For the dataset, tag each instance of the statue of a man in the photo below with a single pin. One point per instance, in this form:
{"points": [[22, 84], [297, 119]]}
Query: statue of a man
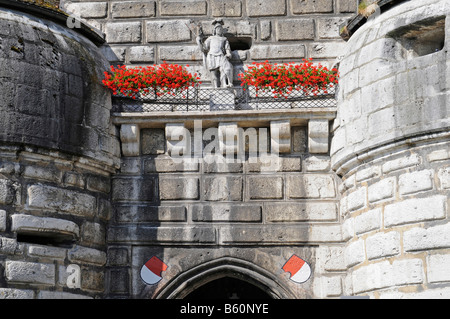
{"points": [[218, 53]]}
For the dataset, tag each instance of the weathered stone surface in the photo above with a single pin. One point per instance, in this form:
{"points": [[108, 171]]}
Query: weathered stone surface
{"points": [[328, 28], [173, 188], [318, 131], [280, 137], [21, 223], [368, 221], [281, 51], [182, 8], [299, 139], [382, 190], [437, 268], [385, 274], [415, 210], [93, 233], [226, 8], [133, 9], [85, 255], [266, 29], [61, 200], [141, 54], [139, 214], [168, 31], [30, 272], [180, 53], [348, 6], [311, 6], [357, 199], [311, 186], [153, 141], [11, 293], [279, 234], [133, 189], [88, 10], [226, 213], [415, 182], [265, 187], [123, 32], [222, 188], [47, 251], [219, 164], [166, 164], [6, 191], [297, 212], [295, 29], [444, 177], [259, 8], [162, 235], [44, 173], [431, 238]]}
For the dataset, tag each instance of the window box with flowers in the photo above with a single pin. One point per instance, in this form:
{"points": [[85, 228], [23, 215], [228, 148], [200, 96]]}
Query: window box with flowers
{"points": [[170, 87]]}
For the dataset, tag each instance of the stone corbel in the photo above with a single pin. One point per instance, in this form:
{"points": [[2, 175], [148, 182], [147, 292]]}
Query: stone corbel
{"points": [[228, 138], [130, 139], [178, 140], [280, 135], [318, 132]]}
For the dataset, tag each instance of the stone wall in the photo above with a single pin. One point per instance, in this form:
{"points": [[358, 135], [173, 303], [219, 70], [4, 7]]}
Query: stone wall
{"points": [[390, 146], [57, 152], [201, 209], [155, 31]]}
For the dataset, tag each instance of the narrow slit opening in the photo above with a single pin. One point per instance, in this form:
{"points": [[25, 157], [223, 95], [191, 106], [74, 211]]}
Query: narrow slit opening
{"points": [[47, 239]]}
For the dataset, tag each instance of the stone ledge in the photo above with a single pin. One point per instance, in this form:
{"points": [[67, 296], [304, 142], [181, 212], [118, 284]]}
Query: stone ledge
{"points": [[143, 234], [21, 223]]}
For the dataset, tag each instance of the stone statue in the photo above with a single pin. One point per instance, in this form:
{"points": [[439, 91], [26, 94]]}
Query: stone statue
{"points": [[217, 53]]}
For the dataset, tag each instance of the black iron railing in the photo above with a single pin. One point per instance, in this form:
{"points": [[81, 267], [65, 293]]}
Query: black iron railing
{"points": [[210, 99]]}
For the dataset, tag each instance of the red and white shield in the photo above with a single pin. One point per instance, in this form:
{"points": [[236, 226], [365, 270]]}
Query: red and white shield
{"points": [[151, 271], [298, 268]]}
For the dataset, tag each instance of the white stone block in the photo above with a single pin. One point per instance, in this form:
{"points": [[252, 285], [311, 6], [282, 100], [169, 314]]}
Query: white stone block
{"points": [[130, 138], [30, 272], [383, 245], [444, 177], [368, 221], [384, 189], [415, 210], [383, 274], [2, 220], [415, 182], [357, 199], [438, 268], [280, 135], [430, 238], [400, 163], [355, 253]]}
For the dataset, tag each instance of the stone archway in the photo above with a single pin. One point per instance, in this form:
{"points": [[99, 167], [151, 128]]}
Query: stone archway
{"points": [[228, 288], [226, 267]]}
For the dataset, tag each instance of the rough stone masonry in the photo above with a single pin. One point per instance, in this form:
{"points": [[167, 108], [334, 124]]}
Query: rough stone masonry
{"points": [[359, 192]]}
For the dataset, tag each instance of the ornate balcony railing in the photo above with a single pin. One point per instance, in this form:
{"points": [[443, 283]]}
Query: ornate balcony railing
{"points": [[223, 99]]}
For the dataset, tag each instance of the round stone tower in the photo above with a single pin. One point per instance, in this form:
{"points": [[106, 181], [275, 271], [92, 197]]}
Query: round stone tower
{"points": [[57, 151], [391, 146]]}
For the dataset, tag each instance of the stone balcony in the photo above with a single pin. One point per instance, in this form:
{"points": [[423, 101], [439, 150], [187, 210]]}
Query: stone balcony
{"points": [[231, 111]]}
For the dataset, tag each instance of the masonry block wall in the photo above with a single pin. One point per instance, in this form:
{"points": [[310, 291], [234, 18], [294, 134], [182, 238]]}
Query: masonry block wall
{"points": [[155, 31], [390, 145], [57, 152], [202, 209]]}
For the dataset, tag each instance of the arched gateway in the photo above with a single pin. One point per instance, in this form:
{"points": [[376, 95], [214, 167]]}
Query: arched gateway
{"points": [[225, 273]]}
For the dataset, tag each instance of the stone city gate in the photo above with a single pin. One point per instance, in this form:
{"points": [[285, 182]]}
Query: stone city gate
{"points": [[94, 202], [241, 215]]}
